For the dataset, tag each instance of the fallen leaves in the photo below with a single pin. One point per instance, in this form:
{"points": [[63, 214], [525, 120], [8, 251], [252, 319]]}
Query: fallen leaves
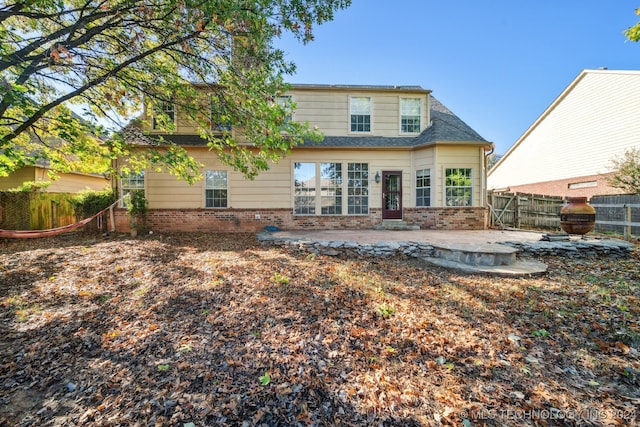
{"points": [[200, 330]]}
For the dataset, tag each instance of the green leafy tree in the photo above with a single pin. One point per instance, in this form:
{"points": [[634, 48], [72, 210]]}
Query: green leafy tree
{"points": [[627, 171], [492, 160], [633, 33], [111, 56]]}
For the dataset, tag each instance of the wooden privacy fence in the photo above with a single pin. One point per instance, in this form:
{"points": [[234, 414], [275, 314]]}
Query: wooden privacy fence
{"points": [[35, 211], [618, 213], [522, 210]]}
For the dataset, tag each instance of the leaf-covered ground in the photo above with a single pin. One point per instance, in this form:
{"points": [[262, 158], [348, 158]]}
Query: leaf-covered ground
{"points": [[208, 330]]}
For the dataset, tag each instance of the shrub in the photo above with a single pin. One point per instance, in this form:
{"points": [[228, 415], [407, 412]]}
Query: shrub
{"points": [[90, 202]]}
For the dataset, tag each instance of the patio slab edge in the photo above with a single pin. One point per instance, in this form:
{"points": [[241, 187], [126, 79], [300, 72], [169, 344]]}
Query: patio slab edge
{"points": [[517, 269], [421, 249]]}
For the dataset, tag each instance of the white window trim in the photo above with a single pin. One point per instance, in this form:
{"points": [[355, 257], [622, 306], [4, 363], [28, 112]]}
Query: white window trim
{"points": [[431, 187], [175, 116], [421, 127], [444, 185], [291, 102], [215, 127], [293, 189], [371, 111], [345, 189], [144, 189], [204, 190]]}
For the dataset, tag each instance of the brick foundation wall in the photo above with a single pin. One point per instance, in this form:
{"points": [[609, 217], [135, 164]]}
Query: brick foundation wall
{"points": [[240, 220], [448, 218]]}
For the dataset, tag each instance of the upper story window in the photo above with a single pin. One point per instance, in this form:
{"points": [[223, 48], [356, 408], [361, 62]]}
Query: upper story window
{"points": [[458, 187], [410, 113], [286, 103], [360, 110], [218, 116], [164, 116]]}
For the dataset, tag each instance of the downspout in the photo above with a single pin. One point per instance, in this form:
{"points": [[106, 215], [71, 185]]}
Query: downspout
{"points": [[485, 190]]}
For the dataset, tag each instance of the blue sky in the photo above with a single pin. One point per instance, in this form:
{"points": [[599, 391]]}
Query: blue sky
{"points": [[497, 64]]}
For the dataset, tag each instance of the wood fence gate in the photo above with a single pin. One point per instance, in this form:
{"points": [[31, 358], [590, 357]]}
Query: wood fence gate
{"points": [[521, 210]]}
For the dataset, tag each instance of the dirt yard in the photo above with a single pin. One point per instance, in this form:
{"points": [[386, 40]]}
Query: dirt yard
{"points": [[215, 330]]}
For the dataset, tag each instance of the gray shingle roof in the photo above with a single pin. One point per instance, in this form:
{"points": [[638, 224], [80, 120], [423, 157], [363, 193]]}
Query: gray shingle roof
{"points": [[133, 134], [446, 126]]}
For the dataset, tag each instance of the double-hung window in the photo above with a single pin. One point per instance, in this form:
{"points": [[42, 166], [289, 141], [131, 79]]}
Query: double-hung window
{"points": [[130, 183], [360, 110], [458, 187], [219, 116], [285, 102], [410, 113], [423, 187], [164, 116], [215, 193]]}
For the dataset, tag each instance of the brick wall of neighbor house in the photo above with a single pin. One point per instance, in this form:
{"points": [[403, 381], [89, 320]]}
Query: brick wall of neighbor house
{"points": [[244, 220], [583, 186]]}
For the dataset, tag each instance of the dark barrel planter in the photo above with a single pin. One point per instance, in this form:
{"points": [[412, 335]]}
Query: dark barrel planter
{"points": [[577, 216]]}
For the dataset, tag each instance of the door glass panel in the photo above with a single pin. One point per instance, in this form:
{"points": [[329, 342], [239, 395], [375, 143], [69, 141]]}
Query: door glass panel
{"points": [[392, 186]]}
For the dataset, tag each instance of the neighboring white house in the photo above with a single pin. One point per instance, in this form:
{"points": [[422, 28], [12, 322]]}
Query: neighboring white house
{"points": [[567, 151]]}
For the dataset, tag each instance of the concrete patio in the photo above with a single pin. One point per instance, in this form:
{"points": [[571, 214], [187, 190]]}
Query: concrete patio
{"points": [[431, 236], [497, 252]]}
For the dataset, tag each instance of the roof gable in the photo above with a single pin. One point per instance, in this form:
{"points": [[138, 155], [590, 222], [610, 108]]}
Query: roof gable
{"points": [[563, 95]]}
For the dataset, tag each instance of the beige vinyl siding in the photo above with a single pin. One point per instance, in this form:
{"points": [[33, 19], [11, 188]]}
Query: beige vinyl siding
{"points": [[458, 157], [73, 183], [273, 189], [184, 124], [329, 111], [15, 179], [594, 120], [66, 182], [270, 189], [164, 191], [422, 159]]}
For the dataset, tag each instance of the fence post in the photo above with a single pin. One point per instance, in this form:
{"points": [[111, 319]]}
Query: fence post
{"points": [[627, 220], [516, 210], [112, 219]]}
